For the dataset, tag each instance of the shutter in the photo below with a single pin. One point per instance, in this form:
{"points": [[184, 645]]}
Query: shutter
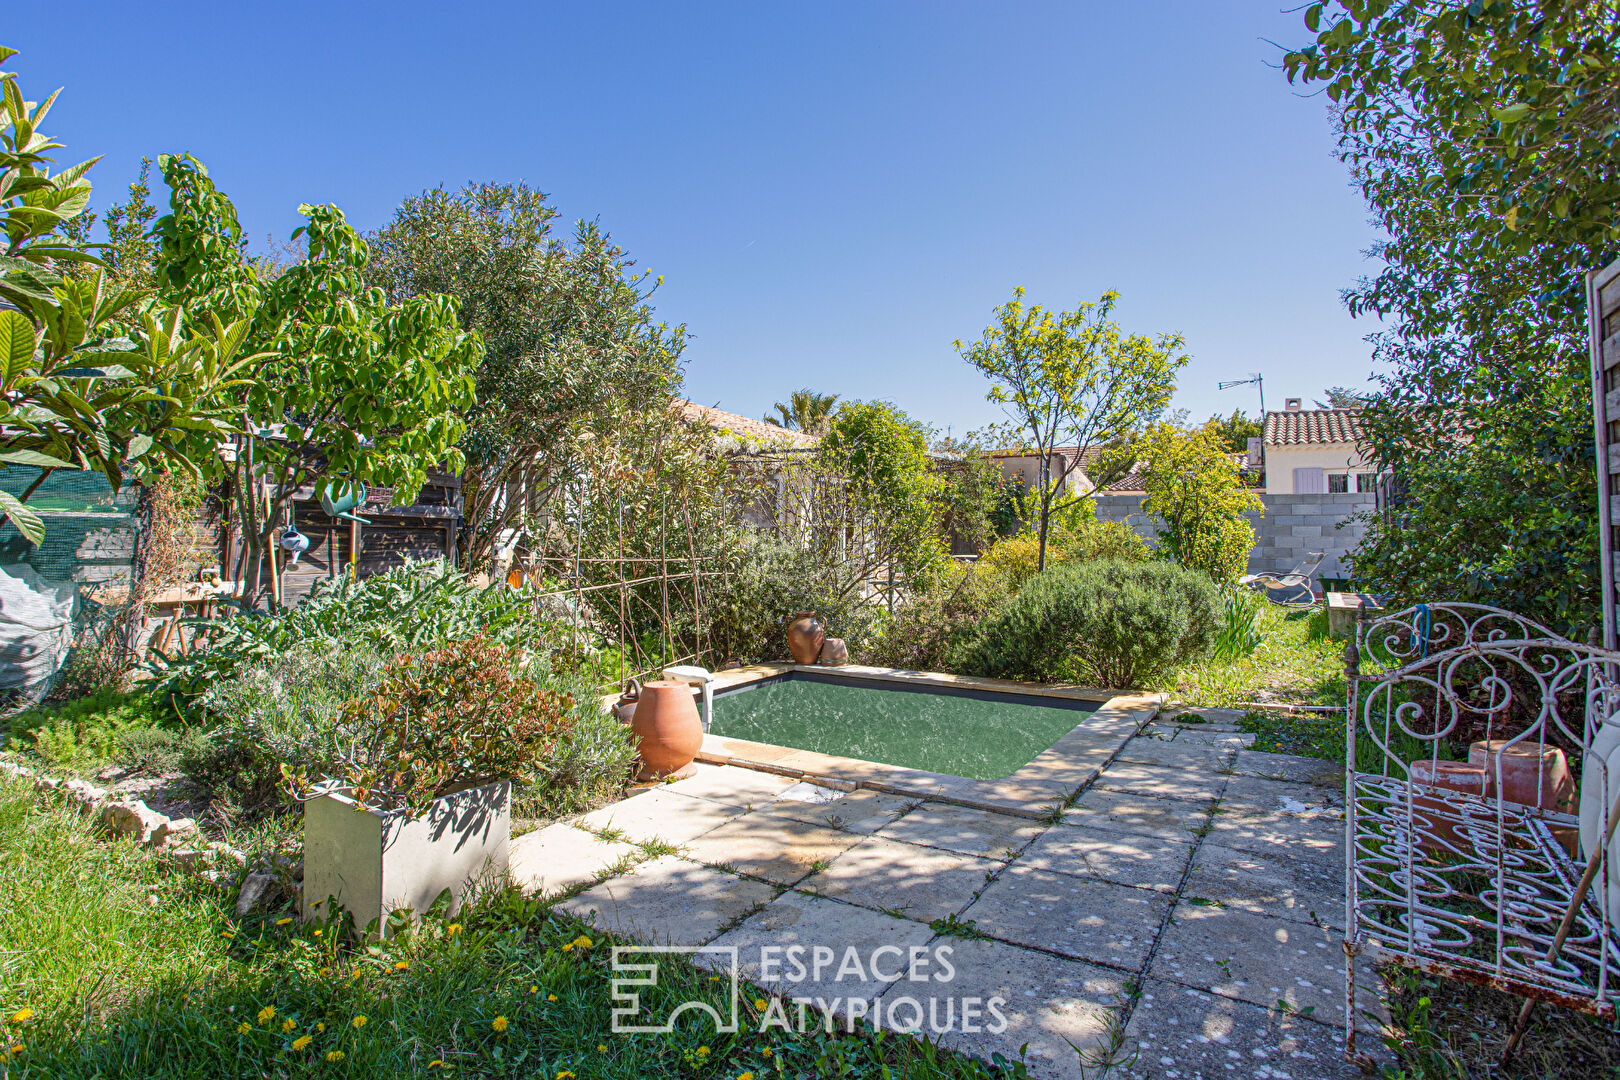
{"points": [[1310, 482], [1603, 319]]}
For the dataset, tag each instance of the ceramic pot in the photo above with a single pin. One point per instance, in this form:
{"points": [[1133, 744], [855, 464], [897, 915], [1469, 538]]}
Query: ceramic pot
{"points": [[668, 729], [625, 707], [1532, 774], [805, 635], [1435, 822], [833, 652]]}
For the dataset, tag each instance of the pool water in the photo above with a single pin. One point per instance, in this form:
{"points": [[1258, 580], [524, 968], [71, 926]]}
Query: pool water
{"points": [[979, 735]]}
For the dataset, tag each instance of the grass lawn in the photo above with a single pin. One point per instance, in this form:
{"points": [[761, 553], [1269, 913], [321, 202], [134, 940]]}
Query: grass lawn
{"points": [[1296, 663], [112, 964]]}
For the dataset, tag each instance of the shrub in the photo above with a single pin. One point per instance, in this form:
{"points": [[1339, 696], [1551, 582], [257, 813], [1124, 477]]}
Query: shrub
{"points": [[747, 616], [442, 721], [281, 710], [412, 607], [934, 629], [1109, 622]]}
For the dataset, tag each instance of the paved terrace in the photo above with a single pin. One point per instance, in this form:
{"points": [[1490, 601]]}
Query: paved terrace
{"points": [[1185, 907]]}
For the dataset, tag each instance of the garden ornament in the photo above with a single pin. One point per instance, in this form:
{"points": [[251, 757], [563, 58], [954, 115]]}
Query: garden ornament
{"points": [[294, 543]]}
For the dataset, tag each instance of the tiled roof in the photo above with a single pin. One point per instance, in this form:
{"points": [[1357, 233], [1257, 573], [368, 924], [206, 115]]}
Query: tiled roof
{"points": [[745, 428], [1309, 426]]}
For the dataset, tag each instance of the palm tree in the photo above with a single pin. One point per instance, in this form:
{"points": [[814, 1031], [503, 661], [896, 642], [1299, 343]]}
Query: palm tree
{"points": [[805, 411]]}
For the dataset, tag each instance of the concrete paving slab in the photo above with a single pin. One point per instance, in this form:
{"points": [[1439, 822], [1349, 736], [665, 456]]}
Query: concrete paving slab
{"points": [[1168, 783], [1258, 959], [1174, 754], [774, 848], [862, 812], [837, 948], [1254, 793], [1176, 1031], [903, 879], [1042, 1001], [659, 814], [670, 901], [1283, 885], [1147, 862], [963, 830], [1078, 917], [1140, 815], [1291, 767], [732, 785], [560, 857], [1236, 740], [1320, 832]]}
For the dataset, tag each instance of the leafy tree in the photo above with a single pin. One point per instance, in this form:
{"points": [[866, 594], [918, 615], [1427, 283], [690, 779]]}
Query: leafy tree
{"points": [[1481, 137], [1343, 397], [1193, 485], [1236, 430], [883, 456], [1071, 378], [92, 379], [574, 358], [805, 411], [129, 252], [348, 386]]}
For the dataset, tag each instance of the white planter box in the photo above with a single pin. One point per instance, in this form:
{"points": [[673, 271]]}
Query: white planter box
{"points": [[376, 863]]}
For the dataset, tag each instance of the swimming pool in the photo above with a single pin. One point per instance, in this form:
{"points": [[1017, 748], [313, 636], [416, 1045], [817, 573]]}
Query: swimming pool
{"points": [[978, 734]]}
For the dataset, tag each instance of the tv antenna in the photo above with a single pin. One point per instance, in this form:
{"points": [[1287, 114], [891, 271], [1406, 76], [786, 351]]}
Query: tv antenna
{"points": [[1253, 380]]}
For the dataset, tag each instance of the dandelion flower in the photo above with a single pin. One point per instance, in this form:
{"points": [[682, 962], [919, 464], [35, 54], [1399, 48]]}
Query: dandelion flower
{"points": [[402, 966], [326, 971], [243, 1028], [317, 933], [321, 1026], [551, 997], [287, 1026], [760, 1004], [302, 1042], [583, 942], [768, 1052], [335, 1055], [358, 1022], [745, 1076], [564, 1074], [601, 1048], [499, 1024], [703, 1051], [284, 922], [17, 1049], [267, 1014], [453, 928], [359, 971], [534, 989], [22, 1016], [226, 934], [437, 1063]]}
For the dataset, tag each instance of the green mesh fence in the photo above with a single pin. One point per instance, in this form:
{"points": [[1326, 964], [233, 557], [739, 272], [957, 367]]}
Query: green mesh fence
{"points": [[89, 545]]}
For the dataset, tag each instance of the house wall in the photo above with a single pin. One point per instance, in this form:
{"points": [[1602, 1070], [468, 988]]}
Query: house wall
{"points": [[1026, 471], [1291, 526], [1281, 461]]}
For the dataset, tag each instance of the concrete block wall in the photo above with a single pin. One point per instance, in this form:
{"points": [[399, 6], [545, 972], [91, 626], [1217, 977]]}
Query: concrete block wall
{"points": [[1291, 526]]}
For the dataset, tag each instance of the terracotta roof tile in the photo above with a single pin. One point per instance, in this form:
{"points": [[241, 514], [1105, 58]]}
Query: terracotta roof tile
{"points": [[744, 427], [1308, 426]]}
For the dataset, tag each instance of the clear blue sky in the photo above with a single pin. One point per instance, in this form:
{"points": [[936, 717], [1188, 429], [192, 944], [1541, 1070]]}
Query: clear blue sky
{"points": [[833, 192]]}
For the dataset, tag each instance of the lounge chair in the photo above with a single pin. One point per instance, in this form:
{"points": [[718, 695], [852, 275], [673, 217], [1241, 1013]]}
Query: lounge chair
{"points": [[1293, 589]]}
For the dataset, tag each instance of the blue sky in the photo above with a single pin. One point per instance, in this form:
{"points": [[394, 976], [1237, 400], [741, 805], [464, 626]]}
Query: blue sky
{"points": [[833, 192]]}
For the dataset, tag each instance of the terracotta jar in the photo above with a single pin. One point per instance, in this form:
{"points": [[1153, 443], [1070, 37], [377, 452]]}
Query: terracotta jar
{"points": [[1434, 821], [668, 729], [625, 707], [1532, 774], [833, 652], [805, 635]]}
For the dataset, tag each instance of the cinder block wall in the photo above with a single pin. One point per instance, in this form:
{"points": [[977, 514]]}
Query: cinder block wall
{"points": [[1291, 526]]}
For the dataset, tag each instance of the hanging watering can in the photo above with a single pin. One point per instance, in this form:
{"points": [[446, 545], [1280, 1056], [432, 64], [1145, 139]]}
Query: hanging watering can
{"points": [[340, 499]]}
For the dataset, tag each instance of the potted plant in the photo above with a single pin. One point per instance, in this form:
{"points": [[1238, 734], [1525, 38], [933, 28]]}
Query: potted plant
{"points": [[421, 801]]}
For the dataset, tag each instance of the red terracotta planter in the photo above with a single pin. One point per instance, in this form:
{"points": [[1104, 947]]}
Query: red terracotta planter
{"points": [[668, 730]]}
